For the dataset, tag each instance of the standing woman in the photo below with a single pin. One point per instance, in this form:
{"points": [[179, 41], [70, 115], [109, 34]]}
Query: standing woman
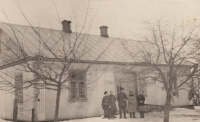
{"points": [[132, 104], [141, 107]]}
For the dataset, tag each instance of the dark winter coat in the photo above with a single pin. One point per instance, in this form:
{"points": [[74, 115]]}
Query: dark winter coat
{"points": [[106, 100], [112, 102], [140, 100], [121, 98]]}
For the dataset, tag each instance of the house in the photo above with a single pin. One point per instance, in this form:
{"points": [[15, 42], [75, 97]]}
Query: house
{"points": [[112, 67]]}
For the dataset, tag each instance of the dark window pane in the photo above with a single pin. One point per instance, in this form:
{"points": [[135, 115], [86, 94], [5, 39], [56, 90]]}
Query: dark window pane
{"points": [[73, 96], [19, 87], [73, 76], [73, 90], [73, 85], [81, 76], [81, 84], [81, 90], [82, 96]]}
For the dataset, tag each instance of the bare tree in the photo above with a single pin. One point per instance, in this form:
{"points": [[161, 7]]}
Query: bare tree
{"points": [[49, 54], [168, 49], [14, 88], [8, 86]]}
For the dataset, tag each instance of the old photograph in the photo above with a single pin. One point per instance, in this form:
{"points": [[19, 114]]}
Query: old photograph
{"points": [[99, 61]]}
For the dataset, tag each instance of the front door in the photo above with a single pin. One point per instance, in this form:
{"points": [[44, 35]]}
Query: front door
{"points": [[41, 103], [126, 80]]}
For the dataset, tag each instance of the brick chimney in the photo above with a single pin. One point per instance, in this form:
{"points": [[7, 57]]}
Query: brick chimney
{"points": [[104, 32], [66, 26]]}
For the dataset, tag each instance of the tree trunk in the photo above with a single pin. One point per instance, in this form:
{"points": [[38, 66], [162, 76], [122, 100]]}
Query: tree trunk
{"points": [[167, 108], [57, 103], [15, 110]]}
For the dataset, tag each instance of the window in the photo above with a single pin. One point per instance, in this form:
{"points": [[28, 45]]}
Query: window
{"points": [[81, 90], [13, 47], [77, 85], [73, 90], [174, 82], [19, 88]]}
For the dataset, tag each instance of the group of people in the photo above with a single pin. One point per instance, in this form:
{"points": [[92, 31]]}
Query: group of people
{"points": [[109, 104]]}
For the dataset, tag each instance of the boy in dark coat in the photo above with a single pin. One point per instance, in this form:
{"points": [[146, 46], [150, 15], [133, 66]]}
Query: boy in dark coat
{"points": [[121, 98], [106, 104], [141, 99]]}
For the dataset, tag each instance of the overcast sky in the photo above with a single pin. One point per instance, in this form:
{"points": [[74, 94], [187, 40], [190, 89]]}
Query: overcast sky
{"points": [[123, 17]]}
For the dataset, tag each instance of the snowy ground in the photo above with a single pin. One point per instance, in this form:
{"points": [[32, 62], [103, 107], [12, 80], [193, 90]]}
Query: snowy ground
{"points": [[176, 115]]}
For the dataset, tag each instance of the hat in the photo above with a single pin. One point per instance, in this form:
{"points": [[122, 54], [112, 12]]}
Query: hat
{"points": [[121, 89], [105, 92]]}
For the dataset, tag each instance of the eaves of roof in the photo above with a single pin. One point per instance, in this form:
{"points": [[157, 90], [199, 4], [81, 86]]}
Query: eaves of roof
{"points": [[27, 59]]}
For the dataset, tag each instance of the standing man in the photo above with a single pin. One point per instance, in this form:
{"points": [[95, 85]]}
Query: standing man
{"points": [[105, 104], [121, 98], [112, 103], [141, 99]]}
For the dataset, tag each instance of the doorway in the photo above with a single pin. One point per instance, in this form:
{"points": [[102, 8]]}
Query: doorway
{"points": [[126, 80], [41, 102]]}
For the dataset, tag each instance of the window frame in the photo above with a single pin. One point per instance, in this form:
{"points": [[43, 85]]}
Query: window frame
{"points": [[20, 101], [77, 85]]}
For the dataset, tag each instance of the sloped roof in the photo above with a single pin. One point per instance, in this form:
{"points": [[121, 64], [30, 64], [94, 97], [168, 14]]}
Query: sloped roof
{"points": [[88, 47]]}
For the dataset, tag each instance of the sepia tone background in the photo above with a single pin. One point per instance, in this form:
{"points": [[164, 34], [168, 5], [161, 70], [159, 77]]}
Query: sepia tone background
{"points": [[124, 18]]}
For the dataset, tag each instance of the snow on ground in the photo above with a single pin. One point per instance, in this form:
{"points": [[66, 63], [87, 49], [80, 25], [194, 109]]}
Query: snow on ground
{"points": [[184, 111], [1, 120], [176, 115]]}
